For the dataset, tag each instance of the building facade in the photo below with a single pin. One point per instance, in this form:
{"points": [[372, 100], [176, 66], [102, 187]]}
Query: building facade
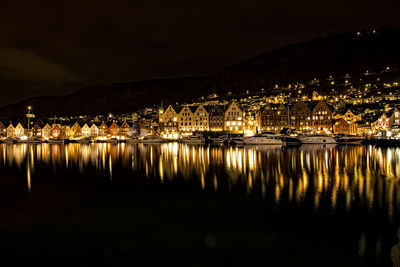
{"points": [[216, 118], [300, 117], [233, 118]]}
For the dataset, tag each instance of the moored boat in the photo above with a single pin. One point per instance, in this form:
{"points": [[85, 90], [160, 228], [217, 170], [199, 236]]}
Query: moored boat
{"points": [[193, 139], [236, 141], [112, 141], [152, 139], [132, 140], [220, 139], [317, 139], [262, 139], [55, 141], [350, 140], [291, 141], [32, 140], [85, 140], [9, 140]]}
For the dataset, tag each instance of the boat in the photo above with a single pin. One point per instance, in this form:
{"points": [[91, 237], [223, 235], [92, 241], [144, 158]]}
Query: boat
{"points": [[152, 139], [133, 140], [291, 141], [220, 139], [262, 139], [9, 140], [317, 139], [85, 140], [350, 140], [236, 141], [193, 139], [31, 140], [112, 141], [55, 141]]}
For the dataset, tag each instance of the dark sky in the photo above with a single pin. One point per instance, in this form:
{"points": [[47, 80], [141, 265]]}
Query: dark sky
{"points": [[56, 47]]}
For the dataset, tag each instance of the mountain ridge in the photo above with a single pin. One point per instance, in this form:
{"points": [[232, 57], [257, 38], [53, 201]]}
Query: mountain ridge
{"points": [[335, 54]]}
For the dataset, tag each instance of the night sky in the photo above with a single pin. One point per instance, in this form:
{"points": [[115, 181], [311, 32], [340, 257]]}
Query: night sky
{"points": [[56, 47]]}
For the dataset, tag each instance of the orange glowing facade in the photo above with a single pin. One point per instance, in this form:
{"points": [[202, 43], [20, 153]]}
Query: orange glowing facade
{"points": [[3, 130], [103, 129], [124, 129], [76, 130], [56, 131], [114, 129]]}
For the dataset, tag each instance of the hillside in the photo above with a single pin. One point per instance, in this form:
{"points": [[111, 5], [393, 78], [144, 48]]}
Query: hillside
{"points": [[333, 55], [118, 97]]}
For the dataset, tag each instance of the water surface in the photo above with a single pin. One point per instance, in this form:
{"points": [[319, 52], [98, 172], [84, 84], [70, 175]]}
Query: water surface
{"points": [[313, 205]]}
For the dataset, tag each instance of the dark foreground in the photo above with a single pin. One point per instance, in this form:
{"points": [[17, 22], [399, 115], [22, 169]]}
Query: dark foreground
{"points": [[72, 218]]}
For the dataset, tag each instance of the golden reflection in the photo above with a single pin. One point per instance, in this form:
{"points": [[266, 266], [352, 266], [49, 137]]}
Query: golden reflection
{"points": [[328, 175]]}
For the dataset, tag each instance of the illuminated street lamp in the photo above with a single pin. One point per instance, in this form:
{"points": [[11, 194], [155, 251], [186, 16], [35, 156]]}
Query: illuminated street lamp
{"points": [[29, 116]]}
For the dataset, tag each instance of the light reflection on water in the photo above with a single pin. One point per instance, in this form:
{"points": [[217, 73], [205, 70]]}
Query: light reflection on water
{"points": [[356, 175]]}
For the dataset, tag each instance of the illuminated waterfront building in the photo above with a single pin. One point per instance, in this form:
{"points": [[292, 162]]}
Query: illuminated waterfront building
{"points": [[94, 130], [233, 118], [19, 130], [186, 120], [343, 127], [10, 130], [76, 130], [322, 118], [216, 118], [124, 129], [3, 130], [168, 122], [300, 117], [201, 119], [85, 130], [46, 131], [103, 129], [56, 130], [114, 129]]}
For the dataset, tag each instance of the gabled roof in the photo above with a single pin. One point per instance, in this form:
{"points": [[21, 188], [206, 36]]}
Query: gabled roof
{"points": [[102, 124], [300, 105], [125, 124], [215, 109], [114, 125]]}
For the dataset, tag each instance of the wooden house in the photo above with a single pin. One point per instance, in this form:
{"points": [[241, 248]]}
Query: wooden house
{"points": [[56, 131], [94, 130], [267, 118], [300, 117], [216, 118], [37, 129], [76, 130], [281, 117], [19, 130], [103, 129], [233, 118], [46, 131], [394, 120], [65, 131], [124, 129], [10, 130], [201, 119], [85, 130], [322, 118], [341, 126], [168, 121], [186, 119], [114, 129], [3, 130]]}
